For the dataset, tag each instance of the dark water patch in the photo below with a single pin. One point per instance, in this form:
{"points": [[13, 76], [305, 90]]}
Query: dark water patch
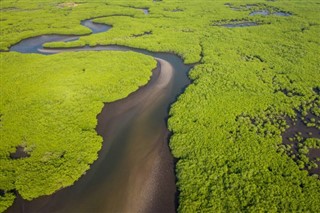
{"points": [[19, 153], [260, 12], [294, 142], [298, 127], [314, 155], [240, 24], [266, 13], [259, 58], [281, 13], [253, 58], [258, 9], [145, 11], [288, 92], [251, 5], [316, 90]]}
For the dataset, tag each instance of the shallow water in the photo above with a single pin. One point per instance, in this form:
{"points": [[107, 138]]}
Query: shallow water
{"points": [[260, 12], [266, 13], [135, 169], [145, 11], [240, 24], [306, 132], [280, 13], [95, 27]]}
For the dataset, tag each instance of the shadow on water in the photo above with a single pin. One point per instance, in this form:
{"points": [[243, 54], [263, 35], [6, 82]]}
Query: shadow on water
{"points": [[135, 169]]}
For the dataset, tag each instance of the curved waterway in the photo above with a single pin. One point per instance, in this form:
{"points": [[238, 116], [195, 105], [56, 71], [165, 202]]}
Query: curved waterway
{"points": [[135, 169]]}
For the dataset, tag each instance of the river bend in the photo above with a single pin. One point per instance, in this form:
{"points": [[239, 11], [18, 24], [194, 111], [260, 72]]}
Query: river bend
{"points": [[134, 171]]}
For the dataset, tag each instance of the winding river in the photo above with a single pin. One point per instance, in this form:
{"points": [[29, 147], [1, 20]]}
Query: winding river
{"points": [[135, 169]]}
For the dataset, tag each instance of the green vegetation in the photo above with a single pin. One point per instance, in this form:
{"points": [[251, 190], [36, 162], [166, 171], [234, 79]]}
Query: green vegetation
{"points": [[25, 18], [48, 109], [228, 125]]}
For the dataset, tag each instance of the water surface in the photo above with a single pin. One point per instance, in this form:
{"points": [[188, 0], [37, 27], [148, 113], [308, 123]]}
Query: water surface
{"points": [[31, 45], [145, 11], [240, 24], [266, 13]]}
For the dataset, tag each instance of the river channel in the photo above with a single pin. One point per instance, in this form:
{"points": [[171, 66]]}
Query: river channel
{"points": [[134, 171]]}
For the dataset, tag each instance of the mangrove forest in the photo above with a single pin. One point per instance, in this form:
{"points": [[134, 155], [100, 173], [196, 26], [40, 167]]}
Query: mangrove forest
{"points": [[160, 106]]}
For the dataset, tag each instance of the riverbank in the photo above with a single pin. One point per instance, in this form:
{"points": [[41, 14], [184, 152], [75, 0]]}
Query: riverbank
{"points": [[127, 188], [135, 168], [57, 113], [148, 186]]}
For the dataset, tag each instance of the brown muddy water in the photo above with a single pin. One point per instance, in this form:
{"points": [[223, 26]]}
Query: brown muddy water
{"points": [[135, 169]]}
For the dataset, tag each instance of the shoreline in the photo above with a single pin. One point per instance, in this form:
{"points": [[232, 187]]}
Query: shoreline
{"points": [[156, 176], [144, 183]]}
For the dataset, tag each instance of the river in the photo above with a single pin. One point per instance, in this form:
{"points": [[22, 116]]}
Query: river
{"points": [[134, 171]]}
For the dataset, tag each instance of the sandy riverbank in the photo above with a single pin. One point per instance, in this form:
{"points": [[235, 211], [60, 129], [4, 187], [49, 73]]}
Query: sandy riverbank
{"points": [[150, 187]]}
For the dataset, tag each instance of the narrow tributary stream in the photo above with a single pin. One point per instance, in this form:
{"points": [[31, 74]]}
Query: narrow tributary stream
{"points": [[135, 169]]}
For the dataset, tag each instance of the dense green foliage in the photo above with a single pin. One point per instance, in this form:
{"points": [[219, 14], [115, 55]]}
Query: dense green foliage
{"points": [[233, 115], [48, 108], [228, 125]]}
